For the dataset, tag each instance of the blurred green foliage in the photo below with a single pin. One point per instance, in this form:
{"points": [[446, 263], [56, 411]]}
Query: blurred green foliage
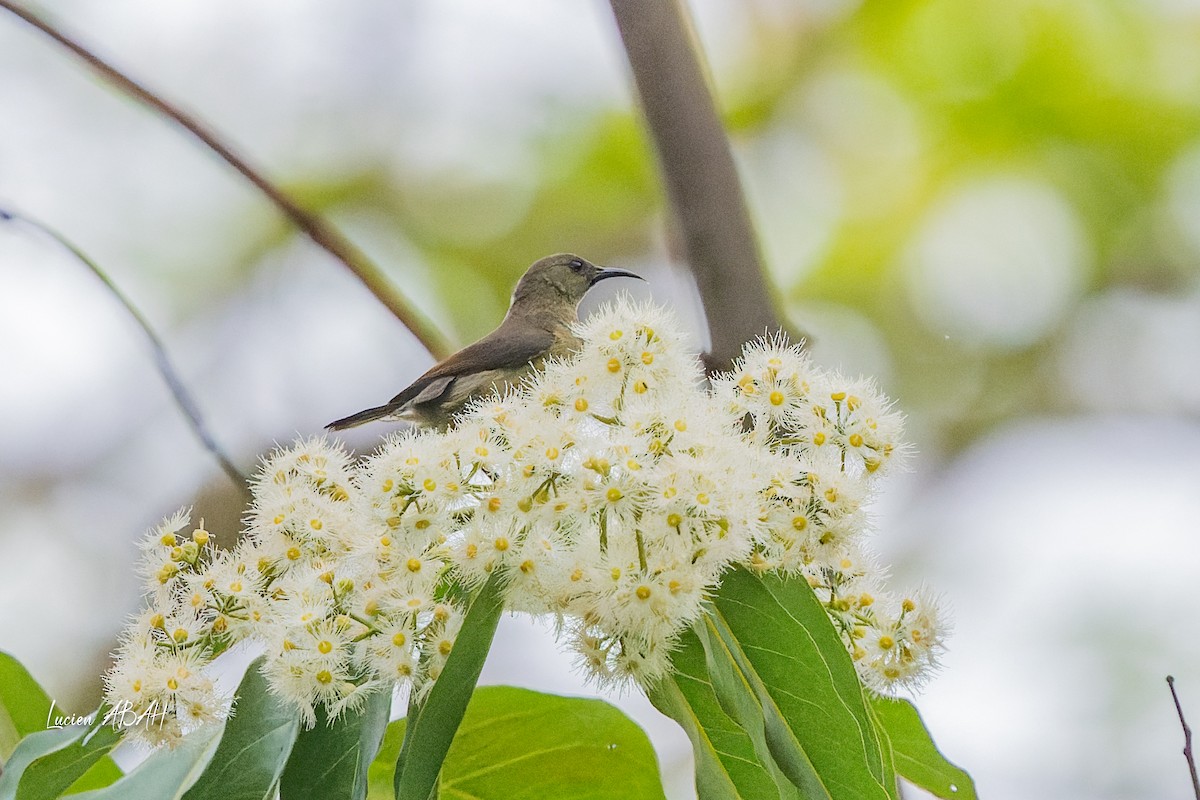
{"points": [[1095, 100]]}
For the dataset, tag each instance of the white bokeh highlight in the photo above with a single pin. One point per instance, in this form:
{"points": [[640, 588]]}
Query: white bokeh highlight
{"points": [[996, 262]]}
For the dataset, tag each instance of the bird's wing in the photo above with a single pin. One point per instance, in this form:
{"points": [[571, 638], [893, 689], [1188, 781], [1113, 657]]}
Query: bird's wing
{"points": [[433, 390], [502, 349]]}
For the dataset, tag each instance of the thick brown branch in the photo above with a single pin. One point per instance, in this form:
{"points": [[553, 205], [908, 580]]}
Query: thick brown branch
{"points": [[315, 227], [700, 176]]}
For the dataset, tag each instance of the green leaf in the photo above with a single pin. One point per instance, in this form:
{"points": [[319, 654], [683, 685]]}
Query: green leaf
{"points": [[381, 775], [331, 761], [46, 764], [166, 774], [890, 777], [728, 760], [100, 774], [254, 746], [817, 723], [25, 708], [739, 690], [525, 745], [24, 705], [31, 748], [917, 757], [435, 720], [517, 744]]}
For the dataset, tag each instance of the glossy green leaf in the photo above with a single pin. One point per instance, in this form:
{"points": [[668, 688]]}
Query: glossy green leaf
{"points": [[331, 761], [518, 744], [48, 763], [525, 745], [916, 757], [31, 748], [381, 775], [432, 726], [100, 774], [254, 746], [816, 720], [24, 705], [167, 773], [729, 755], [25, 708]]}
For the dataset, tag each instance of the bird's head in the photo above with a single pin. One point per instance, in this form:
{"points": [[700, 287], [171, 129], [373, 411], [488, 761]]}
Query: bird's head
{"points": [[561, 279]]}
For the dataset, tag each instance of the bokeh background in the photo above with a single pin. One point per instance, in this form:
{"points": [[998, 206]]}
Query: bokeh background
{"points": [[993, 206]]}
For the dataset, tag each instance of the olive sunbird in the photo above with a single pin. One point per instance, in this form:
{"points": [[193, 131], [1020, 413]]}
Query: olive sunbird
{"points": [[538, 325]]}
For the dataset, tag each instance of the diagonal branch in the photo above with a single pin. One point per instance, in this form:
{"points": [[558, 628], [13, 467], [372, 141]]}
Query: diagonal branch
{"points": [[322, 233], [183, 398], [701, 179], [1187, 738]]}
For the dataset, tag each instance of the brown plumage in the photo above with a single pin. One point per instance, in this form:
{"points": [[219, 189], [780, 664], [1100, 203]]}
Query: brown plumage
{"points": [[538, 324]]}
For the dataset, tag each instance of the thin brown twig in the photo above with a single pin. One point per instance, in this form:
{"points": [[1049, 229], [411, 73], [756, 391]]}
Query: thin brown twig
{"points": [[321, 232], [698, 170], [1187, 738], [179, 391]]}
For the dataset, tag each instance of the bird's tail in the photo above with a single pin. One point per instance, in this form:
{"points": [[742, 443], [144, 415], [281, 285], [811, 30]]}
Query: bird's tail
{"points": [[368, 415]]}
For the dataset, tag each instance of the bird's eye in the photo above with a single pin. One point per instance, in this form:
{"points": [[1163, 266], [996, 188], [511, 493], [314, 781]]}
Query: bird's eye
{"points": [[576, 264]]}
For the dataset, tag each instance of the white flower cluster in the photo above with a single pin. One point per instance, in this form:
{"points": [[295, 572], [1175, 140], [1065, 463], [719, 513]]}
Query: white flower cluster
{"points": [[158, 678], [344, 601], [612, 491], [616, 495], [824, 440]]}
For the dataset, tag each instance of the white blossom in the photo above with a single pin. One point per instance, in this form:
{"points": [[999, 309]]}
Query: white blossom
{"points": [[612, 491]]}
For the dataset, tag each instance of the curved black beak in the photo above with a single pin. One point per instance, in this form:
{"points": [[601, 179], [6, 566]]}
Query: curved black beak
{"points": [[614, 273]]}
